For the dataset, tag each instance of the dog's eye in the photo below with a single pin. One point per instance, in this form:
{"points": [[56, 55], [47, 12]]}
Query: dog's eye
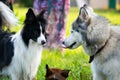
{"points": [[77, 30]]}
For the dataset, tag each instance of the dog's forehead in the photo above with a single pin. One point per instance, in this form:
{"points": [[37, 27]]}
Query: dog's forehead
{"points": [[77, 22], [41, 26], [77, 26]]}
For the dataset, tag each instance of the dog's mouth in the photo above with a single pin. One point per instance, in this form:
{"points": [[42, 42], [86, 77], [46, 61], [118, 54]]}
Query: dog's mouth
{"points": [[71, 46]]}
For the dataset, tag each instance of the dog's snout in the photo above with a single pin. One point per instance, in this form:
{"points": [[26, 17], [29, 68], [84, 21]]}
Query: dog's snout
{"points": [[63, 42], [43, 42]]}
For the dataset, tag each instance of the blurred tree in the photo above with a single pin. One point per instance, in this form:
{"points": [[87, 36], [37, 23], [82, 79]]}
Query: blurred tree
{"points": [[112, 4], [26, 3]]}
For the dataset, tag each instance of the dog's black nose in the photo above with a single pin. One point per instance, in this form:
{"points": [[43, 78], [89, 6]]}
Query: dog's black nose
{"points": [[43, 42], [63, 42]]}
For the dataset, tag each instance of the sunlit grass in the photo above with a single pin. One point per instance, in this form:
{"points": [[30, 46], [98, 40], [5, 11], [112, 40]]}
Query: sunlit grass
{"points": [[112, 15]]}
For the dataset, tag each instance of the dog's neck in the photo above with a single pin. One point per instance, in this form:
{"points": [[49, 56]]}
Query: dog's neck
{"points": [[98, 51]]}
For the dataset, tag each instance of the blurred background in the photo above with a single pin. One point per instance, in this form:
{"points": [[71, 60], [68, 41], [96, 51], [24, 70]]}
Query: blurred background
{"points": [[97, 4]]}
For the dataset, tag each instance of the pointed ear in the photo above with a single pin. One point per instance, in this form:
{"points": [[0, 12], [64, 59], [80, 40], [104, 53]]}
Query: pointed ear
{"points": [[65, 73], [83, 15], [42, 18], [48, 71], [30, 16], [41, 14]]}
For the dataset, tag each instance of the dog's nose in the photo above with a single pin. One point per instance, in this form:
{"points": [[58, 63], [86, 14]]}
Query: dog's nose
{"points": [[63, 42], [43, 42]]}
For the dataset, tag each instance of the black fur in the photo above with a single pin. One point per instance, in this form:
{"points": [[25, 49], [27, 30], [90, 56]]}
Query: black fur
{"points": [[0, 22], [31, 29], [6, 49]]}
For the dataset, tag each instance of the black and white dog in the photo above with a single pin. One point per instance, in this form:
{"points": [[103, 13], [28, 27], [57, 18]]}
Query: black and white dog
{"points": [[20, 53]]}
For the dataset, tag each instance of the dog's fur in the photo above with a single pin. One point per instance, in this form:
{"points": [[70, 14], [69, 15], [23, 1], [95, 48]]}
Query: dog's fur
{"points": [[99, 40], [56, 74], [20, 53], [7, 18]]}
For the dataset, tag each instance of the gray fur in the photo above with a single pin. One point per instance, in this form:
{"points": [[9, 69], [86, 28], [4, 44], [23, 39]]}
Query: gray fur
{"points": [[97, 33]]}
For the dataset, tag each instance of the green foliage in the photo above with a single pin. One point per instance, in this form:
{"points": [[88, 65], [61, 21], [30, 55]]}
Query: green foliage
{"points": [[74, 60], [26, 3]]}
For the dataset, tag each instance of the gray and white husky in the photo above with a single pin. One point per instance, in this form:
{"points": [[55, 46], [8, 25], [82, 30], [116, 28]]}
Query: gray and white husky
{"points": [[99, 40]]}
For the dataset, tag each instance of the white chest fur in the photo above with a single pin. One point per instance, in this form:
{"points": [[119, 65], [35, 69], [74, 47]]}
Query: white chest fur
{"points": [[25, 61]]}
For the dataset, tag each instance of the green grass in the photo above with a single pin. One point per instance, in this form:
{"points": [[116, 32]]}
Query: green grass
{"points": [[74, 60], [68, 60], [112, 15]]}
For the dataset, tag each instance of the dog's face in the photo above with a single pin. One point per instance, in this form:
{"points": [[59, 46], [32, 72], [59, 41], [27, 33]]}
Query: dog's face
{"points": [[56, 74], [78, 29], [34, 28], [89, 30]]}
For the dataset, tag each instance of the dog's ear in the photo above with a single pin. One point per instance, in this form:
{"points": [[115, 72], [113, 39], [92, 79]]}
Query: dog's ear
{"points": [[65, 73], [30, 16], [83, 15], [48, 71], [42, 18], [41, 14]]}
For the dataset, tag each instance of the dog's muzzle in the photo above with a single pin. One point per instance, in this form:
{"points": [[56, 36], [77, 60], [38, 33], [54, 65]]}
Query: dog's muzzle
{"points": [[70, 46]]}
